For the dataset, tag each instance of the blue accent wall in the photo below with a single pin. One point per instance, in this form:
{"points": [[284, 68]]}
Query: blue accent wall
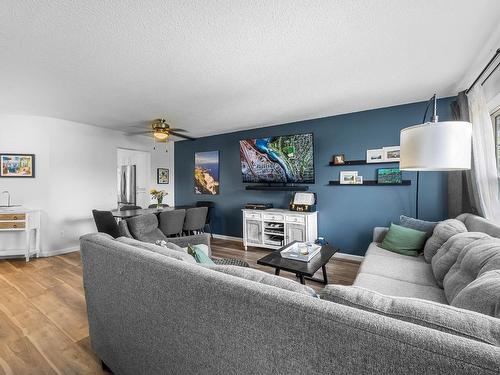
{"points": [[347, 214]]}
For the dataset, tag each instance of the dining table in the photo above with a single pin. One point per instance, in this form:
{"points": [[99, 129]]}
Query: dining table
{"points": [[126, 214]]}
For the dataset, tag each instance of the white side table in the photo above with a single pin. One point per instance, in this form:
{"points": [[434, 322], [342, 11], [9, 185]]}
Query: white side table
{"points": [[24, 220]]}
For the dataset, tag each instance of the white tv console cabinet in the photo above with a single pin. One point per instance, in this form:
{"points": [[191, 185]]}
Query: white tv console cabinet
{"points": [[274, 228], [21, 220]]}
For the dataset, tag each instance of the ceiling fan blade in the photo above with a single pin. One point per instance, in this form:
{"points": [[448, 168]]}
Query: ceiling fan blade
{"points": [[179, 130], [182, 136], [140, 133]]}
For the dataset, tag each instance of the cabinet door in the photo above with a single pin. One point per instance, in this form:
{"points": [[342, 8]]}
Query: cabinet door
{"points": [[254, 231], [295, 232]]}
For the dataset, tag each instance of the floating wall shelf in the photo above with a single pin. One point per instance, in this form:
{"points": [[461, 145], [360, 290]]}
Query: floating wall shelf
{"points": [[277, 188], [361, 162], [369, 183]]}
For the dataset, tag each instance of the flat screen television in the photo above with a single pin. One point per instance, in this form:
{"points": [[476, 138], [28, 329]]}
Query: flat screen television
{"points": [[281, 159]]}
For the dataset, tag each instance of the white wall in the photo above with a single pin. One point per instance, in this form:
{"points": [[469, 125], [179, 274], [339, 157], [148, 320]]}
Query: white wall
{"points": [[75, 172]]}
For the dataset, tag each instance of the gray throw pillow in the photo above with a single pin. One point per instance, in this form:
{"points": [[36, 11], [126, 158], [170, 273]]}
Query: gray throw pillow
{"points": [[447, 254], [417, 224], [475, 259], [425, 313], [442, 232], [265, 278], [481, 295], [176, 254]]}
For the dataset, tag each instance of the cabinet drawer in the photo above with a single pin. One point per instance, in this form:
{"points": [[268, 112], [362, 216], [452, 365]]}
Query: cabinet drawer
{"points": [[12, 225], [295, 219], [12, 216], [252, 215], [275, 217]]}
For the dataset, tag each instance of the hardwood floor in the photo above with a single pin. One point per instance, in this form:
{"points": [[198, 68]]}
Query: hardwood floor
{"points": [[43, 318]]}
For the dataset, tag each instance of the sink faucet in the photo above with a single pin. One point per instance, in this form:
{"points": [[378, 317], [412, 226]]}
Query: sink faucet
{"points": [[8, 197]]}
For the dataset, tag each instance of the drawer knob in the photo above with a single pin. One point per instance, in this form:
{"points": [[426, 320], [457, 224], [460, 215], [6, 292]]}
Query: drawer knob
{"points": [[14, 226], [15, 217]]}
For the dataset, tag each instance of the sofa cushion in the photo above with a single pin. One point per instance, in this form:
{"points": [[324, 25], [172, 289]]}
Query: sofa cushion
{"points": [[375, 249], [475, 259], [399, 288], [176, 254], [447, 254], [403, 240], [417, 224], [145, 228], [404, 269], [442, 232], [265, 278], [199, 254], [429, 314], [481, 295]]}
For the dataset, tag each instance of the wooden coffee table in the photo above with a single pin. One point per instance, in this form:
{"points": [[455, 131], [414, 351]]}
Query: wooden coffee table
{"points": [[303, 270]]}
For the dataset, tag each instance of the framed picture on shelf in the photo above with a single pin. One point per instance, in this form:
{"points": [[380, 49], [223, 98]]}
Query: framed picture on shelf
{"points": [[375, 156], [162, 177], [348, 177], [389, 176], [359, 180], [392, 154], [17, 165], [339, 159]]}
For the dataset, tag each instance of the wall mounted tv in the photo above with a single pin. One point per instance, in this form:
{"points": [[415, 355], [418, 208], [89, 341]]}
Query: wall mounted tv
{"points": [[282, 159]]}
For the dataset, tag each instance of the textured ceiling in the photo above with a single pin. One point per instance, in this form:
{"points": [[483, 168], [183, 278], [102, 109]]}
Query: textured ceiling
{"points": [[216, 66]]}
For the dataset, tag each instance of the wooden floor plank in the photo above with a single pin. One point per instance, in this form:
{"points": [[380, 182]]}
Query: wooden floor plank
{"points": [[43, 318]]}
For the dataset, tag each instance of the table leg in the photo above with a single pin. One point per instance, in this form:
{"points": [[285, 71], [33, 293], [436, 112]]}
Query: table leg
{"points": [[301, 278], [325, 277], [277, 271], [28, 244]]}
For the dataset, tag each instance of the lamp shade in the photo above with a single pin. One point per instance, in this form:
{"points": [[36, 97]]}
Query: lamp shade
{"points": [[436, 146]]}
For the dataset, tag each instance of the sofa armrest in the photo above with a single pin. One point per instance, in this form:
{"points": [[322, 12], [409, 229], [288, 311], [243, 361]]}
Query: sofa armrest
{"points": [[197, 239], [379, 233]]}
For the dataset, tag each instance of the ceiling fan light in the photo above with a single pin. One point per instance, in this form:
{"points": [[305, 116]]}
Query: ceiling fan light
{"points": [[161, 136]]}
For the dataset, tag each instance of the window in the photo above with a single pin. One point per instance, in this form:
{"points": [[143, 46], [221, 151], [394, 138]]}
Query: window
{"points": [[495, 120]]}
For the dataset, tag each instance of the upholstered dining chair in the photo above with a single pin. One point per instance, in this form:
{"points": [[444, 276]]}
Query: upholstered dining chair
{"points": [[171, 223], [130, 207], [210, 205], [106, 223], [195, 220]]}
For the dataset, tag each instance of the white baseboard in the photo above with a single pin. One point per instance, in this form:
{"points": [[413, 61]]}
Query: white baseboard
{"points": [[52, 253], [355, 258], [230, 238]]}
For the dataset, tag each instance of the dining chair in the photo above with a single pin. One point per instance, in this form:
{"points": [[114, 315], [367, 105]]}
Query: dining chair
{"points": [[195, 220], [130, 207], [171, 223], [210, 205], [106, 223]]}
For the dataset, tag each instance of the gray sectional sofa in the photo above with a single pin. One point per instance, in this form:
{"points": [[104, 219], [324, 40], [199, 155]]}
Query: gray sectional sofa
{"points": [[153, 313], [435, 275]]}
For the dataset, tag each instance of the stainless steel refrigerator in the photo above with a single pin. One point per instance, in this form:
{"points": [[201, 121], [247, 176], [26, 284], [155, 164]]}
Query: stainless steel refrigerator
{"points": [[127, 193]]}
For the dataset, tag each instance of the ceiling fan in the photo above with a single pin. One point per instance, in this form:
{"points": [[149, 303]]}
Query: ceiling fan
{"points": [[161, 131]]}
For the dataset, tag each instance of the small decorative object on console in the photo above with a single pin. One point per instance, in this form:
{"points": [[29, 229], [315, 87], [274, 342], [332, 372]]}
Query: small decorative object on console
{"points": [[339, 159], [302, 251], [303, 202], [375, 156], [348, 177], [359, 180], [258, 206], [389, 176]]}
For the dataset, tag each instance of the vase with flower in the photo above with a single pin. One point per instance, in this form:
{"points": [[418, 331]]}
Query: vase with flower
{"points": [[158, 195]]}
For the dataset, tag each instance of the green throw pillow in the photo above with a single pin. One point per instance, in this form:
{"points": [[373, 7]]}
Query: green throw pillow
{"points": [[403, 240], [199, 255]]}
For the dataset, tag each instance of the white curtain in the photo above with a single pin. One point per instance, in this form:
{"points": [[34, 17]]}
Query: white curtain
{"points": [[484, 168]]}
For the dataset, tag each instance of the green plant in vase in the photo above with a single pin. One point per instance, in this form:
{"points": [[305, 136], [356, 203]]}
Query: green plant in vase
{"points": [[158, 195]]}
